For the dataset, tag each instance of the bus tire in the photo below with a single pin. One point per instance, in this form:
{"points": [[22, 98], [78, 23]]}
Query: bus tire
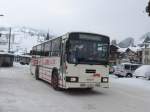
{"points": [[55, 80], [37, 72]]}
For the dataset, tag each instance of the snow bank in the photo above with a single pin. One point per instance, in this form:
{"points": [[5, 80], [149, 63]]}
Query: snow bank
{"points": [[136, 83], [142, 71]]}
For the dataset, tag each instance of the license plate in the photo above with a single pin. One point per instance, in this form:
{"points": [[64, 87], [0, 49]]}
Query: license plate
{"points": [[82, 85]]}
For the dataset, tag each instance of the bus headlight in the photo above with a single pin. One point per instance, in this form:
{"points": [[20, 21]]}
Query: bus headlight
{"points": [[72, 79], [104, 79]]}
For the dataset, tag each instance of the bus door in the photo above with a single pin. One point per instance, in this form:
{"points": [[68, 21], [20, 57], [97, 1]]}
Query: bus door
{"points": [[62, 62]]}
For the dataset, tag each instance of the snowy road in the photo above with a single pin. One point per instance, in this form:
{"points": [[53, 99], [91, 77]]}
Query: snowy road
{"points": [[20, 92]]}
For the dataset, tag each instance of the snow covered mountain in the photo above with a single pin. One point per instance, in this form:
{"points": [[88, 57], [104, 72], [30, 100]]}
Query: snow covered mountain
{"points": [[22, 39], [134, 44], [145, 37], [131, 42], [126, 42]]}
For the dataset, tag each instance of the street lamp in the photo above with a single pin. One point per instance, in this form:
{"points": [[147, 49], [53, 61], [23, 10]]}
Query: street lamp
{"points": [[1, 15]]}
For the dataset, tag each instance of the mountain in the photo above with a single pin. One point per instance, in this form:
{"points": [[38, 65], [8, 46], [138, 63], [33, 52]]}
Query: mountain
{"points": [[22, 38], [30, 31], [126, 42], [145, 38]]}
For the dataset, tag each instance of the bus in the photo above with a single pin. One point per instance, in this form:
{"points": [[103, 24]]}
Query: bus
{"points": [[6, 59], [74, 60]]}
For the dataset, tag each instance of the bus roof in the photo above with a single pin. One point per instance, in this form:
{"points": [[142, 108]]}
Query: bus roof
{"points": [[70, 33], [87, 33]]}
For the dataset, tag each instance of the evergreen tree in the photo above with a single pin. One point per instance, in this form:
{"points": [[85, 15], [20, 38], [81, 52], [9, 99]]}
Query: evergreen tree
{"points": [[47, 36]]}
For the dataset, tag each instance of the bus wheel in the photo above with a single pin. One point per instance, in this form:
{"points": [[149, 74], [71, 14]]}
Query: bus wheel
{"points": [[37, 73], [55, 80]]}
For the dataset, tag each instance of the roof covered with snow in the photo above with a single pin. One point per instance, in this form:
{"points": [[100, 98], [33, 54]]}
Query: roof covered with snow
{"points": [[5, 53], [134, 49]]}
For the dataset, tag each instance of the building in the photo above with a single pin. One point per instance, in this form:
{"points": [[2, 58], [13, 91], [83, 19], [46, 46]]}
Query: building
{"points": [[130, 55], [139, 56], [114, 55], [146, 51], [146, 56]]}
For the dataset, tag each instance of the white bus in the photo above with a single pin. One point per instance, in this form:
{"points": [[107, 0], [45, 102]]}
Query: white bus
{"points": [[74, 60]]}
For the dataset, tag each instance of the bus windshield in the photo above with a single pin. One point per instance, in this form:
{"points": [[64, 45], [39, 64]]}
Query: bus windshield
{"points": [[88, 49]]}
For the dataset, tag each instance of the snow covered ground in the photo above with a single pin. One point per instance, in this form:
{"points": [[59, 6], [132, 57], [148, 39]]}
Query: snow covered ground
{"points": [[136, 83], [20, 92]]}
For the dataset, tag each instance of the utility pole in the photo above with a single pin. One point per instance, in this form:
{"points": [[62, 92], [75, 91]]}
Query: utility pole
{"points": [[9, 40]]}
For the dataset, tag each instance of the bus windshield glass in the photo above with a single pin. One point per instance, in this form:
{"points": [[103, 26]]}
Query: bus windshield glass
{"points": [[88, 49]]}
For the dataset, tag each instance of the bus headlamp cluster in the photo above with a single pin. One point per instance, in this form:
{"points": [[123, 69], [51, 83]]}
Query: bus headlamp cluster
{"points": [[104, 79], [72, 79]]}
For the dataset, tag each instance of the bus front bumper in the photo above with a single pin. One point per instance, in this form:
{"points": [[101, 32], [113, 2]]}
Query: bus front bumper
{"points": [[86, 85]]}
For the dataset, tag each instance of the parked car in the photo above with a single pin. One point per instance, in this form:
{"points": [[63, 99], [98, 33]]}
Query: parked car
{"points": [[143, 71], [126, 69]]}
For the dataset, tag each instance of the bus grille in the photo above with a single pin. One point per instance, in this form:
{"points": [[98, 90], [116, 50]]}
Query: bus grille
{"points": [[90, 71]]}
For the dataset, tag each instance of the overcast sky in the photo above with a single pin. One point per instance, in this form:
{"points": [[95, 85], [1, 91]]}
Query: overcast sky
{"points": [[116, 18]]}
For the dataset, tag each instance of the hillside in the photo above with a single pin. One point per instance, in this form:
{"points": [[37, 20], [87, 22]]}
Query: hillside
{"points": [[145, 37], [22, 38], [126, 42]]}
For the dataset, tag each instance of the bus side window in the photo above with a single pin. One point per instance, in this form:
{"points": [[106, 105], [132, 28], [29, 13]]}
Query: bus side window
{"points": [[47, 49], [42, 50], [38, 50], [56, 47]]}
